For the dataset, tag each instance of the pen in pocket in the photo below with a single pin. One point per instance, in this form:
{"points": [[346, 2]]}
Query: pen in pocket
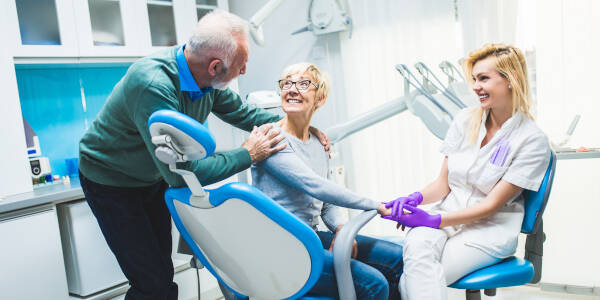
{"points": [[500, 154]]}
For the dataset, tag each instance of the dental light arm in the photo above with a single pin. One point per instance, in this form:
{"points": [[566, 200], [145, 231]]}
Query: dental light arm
{"points": [[259, 18], [435, 116], [376, 115], [324, 16]]}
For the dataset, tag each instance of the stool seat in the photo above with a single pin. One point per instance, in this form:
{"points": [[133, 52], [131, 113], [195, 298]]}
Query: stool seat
{"points": [[511, 271]]}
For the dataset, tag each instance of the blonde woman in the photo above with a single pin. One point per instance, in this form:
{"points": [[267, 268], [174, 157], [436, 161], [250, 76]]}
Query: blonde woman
{"points": [[492, 152], [295, 177]]}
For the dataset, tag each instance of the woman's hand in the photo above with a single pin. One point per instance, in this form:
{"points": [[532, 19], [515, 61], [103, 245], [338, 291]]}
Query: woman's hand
{"points": [[416, 217], [354, 252], [382, 210], [397, 206]]}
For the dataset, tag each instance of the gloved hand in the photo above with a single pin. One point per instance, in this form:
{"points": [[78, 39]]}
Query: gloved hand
{"points": [[417, 217], [397, 205]]}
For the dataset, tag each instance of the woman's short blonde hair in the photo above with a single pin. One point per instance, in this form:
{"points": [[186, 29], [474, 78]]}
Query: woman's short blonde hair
{"points": [[510, 63], [321, 79]]}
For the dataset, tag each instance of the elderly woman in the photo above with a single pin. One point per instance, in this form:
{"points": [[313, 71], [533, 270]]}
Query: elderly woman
{"points": [[492, 152], [295, 177]]}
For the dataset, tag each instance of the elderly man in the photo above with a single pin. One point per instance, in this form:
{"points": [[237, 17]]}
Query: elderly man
{"points": [[122, 180]]}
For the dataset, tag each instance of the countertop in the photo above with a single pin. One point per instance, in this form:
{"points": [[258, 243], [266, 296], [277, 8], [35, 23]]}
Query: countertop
{"points": [[572, 154], [54, 193]]}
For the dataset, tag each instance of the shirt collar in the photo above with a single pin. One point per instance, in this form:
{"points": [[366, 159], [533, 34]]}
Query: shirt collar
{"points": [[504, 130], [186, 80]]}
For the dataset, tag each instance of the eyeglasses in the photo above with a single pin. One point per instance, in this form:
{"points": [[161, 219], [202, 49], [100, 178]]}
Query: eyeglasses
{"points": [[301, 85]]}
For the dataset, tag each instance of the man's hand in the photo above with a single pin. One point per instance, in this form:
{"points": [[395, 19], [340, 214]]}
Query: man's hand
{"points": [[321, 136], [354, 252], [263, 142]]}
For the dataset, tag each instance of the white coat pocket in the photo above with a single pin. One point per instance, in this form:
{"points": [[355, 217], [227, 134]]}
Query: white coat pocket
{"points": [[489, 177]]}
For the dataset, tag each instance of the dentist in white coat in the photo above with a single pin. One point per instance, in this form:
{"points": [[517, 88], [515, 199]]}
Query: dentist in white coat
{"points": [[492, 152]]}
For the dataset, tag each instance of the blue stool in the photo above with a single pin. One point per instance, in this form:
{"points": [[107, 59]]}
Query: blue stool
{"points": [[514, 271], [251, 244]]}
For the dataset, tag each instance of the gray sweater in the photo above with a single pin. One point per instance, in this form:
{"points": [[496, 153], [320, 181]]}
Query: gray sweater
{"points": [[295, 177]]}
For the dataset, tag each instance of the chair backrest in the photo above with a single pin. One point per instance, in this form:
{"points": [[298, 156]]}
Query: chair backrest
{"points": [[249, 242], [535, 202]]}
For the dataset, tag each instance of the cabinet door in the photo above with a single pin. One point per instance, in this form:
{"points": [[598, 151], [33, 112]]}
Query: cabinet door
{"points": [[171, 22], [157, 25], [107, 28], [43, 28], [32, 259], [188, 12]]}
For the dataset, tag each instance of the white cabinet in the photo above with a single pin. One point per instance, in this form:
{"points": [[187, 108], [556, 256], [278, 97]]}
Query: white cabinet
{"points": [[101, 28], [108, 27], [31, 258], [43, 28], [90, 265], [16, 175], [170, 22]]}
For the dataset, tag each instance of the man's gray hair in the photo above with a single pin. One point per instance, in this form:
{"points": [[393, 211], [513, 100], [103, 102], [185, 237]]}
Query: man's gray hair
{"points": [[215, 35]]}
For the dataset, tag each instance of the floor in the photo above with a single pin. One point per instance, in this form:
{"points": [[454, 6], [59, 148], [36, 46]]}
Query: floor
{"points": [[522, 293], [517, 293]]}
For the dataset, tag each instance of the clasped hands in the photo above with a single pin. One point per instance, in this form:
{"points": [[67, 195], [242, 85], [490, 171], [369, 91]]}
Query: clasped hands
{"points": [[414, 216]]}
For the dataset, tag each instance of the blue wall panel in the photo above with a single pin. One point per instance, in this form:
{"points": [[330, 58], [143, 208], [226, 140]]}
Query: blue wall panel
{"points": [[52, 103]]}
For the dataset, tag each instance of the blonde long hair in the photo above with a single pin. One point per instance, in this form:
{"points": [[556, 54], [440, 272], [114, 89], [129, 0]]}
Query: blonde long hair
{"points": [[510, 63]]}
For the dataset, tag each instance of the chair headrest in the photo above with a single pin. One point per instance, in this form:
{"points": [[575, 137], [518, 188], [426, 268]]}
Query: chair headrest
{"points": [[189, 137]]}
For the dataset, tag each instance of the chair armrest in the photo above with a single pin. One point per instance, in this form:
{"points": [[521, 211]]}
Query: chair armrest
{"points": [[342, 249]]}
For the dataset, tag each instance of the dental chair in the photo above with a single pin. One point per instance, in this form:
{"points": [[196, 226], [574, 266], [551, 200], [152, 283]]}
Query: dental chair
{"points": [[514, 271], [251, 244]]}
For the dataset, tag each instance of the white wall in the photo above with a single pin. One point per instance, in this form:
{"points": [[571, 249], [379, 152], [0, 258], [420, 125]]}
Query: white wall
{"points": [[282, 49], [567, 47], [397, 156], [487, 21], [16, 175]]}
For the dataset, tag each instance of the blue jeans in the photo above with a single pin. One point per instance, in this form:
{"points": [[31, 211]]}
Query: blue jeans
{"points": [[137, 227], [375, 272]]}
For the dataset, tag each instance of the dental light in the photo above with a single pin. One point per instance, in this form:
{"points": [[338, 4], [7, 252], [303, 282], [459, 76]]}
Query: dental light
{"points": [[324, 16]]}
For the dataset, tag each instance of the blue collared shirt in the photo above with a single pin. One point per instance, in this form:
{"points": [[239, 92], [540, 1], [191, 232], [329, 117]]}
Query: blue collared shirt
{"points": [[186, 80]]}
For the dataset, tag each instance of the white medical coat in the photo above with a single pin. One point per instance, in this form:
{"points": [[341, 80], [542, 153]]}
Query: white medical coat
{"points": [[471, 177]]}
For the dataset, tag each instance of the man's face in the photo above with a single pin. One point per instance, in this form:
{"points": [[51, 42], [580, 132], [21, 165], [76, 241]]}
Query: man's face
{"points": [[237, 67]]}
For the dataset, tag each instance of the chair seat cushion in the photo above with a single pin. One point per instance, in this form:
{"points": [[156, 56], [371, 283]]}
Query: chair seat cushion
{"points": [[511, 271]]}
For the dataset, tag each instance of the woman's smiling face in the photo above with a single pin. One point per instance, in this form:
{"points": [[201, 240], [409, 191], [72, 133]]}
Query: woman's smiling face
{"points": [[490, 86], [294, 99]]}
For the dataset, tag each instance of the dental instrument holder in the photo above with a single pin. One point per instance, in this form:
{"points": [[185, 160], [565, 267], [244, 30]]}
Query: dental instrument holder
{"points": [[450, 70], [432, 87], [168, 152]]}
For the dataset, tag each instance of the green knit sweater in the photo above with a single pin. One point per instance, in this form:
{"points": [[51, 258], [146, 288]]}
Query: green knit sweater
{"points": [[117, 149]]}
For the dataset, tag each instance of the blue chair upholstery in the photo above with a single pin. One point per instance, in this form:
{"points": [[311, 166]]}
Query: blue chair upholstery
{"points": [[273, 211], [515, 271], [251, 244]]}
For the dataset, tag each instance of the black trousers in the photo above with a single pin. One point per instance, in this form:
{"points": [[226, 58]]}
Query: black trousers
{"points": [[137, 227]]}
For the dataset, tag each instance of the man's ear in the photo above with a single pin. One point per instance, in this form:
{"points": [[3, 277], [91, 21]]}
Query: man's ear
{"points": [[215, 67]]}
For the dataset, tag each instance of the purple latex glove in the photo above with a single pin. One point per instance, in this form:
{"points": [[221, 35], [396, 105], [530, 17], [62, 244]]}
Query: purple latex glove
{"points": [[417, 217], [397, 205]]}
